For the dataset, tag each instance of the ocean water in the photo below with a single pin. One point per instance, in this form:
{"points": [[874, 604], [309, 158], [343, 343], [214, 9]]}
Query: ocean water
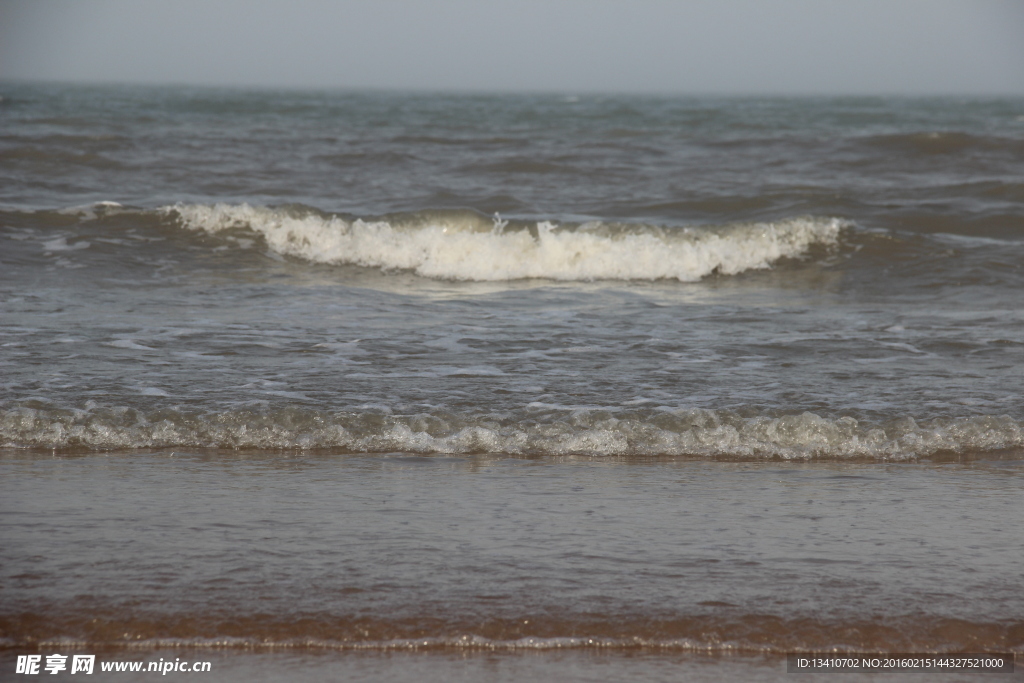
{"points": [[479, 387]]}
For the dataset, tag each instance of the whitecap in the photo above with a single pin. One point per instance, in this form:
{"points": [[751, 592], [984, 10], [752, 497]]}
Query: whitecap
{"points": [[461, 250]]}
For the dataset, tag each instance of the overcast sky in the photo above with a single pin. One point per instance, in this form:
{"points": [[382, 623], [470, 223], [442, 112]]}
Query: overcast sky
{"points": [[570, 46]]}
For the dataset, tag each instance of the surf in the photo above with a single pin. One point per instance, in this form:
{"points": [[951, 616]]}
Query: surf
{"points": [[460, 246]]}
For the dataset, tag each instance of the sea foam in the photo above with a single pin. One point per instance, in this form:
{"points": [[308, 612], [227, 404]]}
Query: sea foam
{"points": [[683, 432], [457, 247]]}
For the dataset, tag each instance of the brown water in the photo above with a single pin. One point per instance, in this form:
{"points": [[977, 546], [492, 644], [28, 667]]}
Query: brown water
{"points": [[334, 553]]}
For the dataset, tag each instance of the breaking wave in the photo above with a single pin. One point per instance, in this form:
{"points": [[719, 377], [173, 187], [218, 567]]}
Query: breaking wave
{"points": [[693, 432], [463, 245]]}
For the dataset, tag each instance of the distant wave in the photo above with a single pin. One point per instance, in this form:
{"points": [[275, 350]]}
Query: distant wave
{"points": [[537, 431], [465, 246], [945, 142]]}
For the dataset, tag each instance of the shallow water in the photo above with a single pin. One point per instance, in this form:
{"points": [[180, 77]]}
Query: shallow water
{"points": [[400, 551]]}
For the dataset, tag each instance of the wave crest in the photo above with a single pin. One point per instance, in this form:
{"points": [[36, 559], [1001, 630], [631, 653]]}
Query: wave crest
{"points": [[457, 246]]}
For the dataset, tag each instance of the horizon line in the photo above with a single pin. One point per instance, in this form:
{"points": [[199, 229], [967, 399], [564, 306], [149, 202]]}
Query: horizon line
{"points": [[471, 90]]}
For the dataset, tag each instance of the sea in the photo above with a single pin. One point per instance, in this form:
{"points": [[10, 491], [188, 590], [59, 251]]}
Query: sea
{"points": [[405, 386]]}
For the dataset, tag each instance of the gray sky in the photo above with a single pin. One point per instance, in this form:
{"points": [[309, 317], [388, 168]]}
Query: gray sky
{"points": [[676, 46]]}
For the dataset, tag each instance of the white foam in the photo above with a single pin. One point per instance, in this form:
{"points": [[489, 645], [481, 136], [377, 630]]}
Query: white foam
{"points": [[703, 433], [448, 249], [92, 211]]}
